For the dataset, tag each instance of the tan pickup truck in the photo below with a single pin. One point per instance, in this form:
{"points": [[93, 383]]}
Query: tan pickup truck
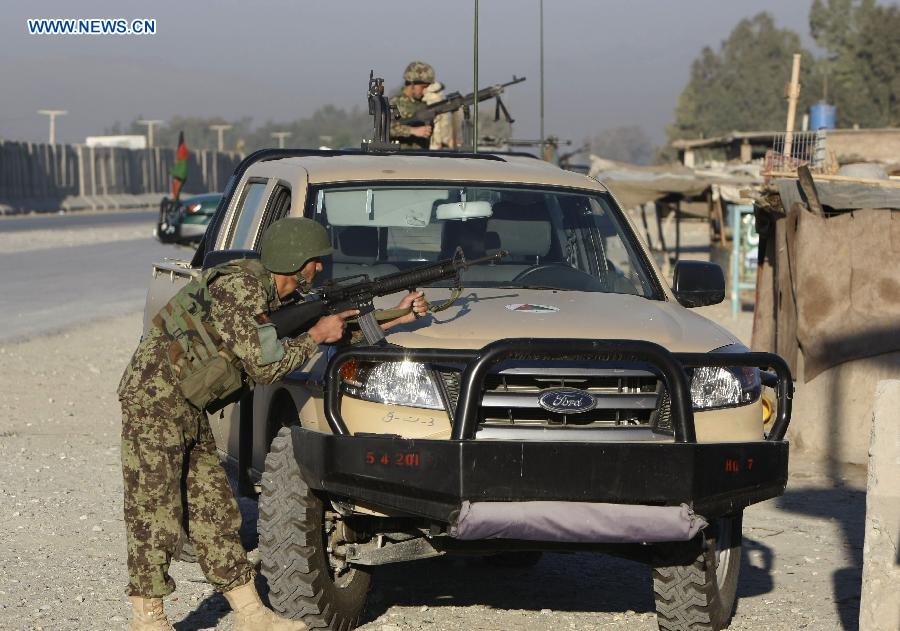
{"points": [[566, 399]]}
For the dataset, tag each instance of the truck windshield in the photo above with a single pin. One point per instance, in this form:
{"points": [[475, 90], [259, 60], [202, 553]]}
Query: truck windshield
{"points": [[555, 239]]}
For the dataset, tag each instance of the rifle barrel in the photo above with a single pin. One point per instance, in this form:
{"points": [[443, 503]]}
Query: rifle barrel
{"points": [[466, 263], [293, 319], [420, 276]]}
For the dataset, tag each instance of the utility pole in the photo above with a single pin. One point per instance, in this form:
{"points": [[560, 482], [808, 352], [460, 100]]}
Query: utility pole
{"points": [[221, 129], [149, 124], [542, 74], [475, 88], [281, 135], [793, 93], [53, 114]]}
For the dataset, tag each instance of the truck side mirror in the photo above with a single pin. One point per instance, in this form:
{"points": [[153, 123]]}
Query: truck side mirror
{"points": [[698, 283]]}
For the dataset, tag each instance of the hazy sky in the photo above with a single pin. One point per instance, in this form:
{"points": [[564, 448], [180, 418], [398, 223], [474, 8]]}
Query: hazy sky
{"points": [[607, 63]]}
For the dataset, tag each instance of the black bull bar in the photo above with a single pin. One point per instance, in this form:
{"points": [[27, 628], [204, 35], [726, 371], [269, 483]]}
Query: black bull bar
{"points": [[431, 478]]}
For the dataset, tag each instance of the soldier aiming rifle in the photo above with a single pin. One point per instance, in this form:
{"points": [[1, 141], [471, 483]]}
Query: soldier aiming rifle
{"points": [[207, 345]]}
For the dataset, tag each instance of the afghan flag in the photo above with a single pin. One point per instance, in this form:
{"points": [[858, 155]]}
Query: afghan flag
{"points": [[180, 168]]}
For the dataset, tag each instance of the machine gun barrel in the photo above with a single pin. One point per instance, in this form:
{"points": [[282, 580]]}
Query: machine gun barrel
{"points": [[455, 101]]}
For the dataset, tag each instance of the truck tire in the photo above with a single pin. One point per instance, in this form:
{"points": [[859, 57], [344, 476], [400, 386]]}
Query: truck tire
{"points": [[700, 596], [293, 549]]}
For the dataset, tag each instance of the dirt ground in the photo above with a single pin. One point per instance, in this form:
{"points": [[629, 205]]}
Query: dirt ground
{"points": [[62, 561]]}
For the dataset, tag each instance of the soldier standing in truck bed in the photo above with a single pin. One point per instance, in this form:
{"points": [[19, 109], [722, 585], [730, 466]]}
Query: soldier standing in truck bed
{"points": [[205, 345], [416, 78]]}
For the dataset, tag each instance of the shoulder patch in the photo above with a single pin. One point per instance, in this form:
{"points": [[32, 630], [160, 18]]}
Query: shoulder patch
{"points": [[271, 348]]}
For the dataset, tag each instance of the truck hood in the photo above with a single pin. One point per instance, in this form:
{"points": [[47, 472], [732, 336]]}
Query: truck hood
{"points": [[481, 316]]}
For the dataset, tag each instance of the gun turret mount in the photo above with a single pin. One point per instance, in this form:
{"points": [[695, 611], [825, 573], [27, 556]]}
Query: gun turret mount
{"points": [[381, 110]]}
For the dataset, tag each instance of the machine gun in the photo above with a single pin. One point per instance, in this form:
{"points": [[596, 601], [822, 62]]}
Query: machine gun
{"points": [[456, 101], [347, 293], [381, 110]]}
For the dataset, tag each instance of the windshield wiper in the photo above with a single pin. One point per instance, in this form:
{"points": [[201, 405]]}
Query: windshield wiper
{"points": [[535, 287]]}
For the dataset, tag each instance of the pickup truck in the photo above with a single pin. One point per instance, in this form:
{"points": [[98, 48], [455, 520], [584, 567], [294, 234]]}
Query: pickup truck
{"points": [[566, 399]]}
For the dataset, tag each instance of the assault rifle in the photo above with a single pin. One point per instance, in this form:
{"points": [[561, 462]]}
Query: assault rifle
{"points": [[455, 101], [344, 294]]}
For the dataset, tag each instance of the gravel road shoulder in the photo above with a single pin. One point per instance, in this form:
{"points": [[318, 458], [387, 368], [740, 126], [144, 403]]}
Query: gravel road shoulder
{"points": [[55, 238]]}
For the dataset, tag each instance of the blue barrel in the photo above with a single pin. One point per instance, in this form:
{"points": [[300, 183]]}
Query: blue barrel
{"points": [[821, 116]]}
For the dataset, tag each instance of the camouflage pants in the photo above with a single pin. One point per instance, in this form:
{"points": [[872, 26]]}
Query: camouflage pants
{"points": [[171, 470]]}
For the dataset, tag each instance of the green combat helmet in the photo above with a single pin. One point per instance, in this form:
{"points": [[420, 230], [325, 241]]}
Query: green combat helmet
{"points": [[289, 243], [418, 72]]}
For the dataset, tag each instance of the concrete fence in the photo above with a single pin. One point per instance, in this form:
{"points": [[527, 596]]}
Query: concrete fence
{"points": [[42, 177]]}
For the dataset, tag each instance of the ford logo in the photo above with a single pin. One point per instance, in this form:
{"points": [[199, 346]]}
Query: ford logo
{"points": [[567, 401]]}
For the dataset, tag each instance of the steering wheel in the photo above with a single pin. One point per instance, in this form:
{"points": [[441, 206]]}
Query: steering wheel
{"points": [[559, 275]]}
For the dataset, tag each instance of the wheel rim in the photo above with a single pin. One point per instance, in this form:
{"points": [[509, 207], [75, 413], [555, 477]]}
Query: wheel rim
{"points": [[724, 549]]}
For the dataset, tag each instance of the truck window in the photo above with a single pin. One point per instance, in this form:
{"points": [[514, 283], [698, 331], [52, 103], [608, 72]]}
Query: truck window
{"points": [[247, 211], [556, 239], [278, 207]]}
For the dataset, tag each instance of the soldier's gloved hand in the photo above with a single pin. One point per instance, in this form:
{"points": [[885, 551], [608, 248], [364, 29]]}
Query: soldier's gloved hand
{"points": [[423, 131], [330, 329]]}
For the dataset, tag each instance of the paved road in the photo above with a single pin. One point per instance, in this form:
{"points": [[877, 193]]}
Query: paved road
{"points": [[51, 289], [42, 221]]}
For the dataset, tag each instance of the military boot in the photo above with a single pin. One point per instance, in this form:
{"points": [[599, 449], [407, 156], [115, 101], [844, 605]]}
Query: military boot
{"points": [[148, 615], [251, 615]]}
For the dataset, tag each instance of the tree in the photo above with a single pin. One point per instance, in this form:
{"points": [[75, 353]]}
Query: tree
{"points": [[197, 133], [742, 85], [329, 125], [863, 61], [628, 143]]}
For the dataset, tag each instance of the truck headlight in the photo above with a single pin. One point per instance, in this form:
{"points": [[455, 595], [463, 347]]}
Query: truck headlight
{"points": [[713, 387], [398, 383]]}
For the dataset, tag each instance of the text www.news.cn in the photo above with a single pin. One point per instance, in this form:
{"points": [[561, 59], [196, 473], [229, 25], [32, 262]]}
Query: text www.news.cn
{"points": [[91, 26]]}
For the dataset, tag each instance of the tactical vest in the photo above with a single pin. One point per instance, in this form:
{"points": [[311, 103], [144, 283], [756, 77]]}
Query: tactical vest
{"points": [[209, 374]]}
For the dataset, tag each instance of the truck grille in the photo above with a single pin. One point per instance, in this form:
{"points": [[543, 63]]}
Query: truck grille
{"points": [[625, 398]]}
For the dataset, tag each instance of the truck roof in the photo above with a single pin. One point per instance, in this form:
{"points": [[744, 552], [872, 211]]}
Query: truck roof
{"points": [[366, 167]]}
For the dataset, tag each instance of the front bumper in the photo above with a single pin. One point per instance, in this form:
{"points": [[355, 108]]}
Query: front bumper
{"points": [[432, 479]]}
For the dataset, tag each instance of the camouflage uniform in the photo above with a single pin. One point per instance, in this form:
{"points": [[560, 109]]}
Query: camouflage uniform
{"points": [[169, 457], [407, 106]]}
